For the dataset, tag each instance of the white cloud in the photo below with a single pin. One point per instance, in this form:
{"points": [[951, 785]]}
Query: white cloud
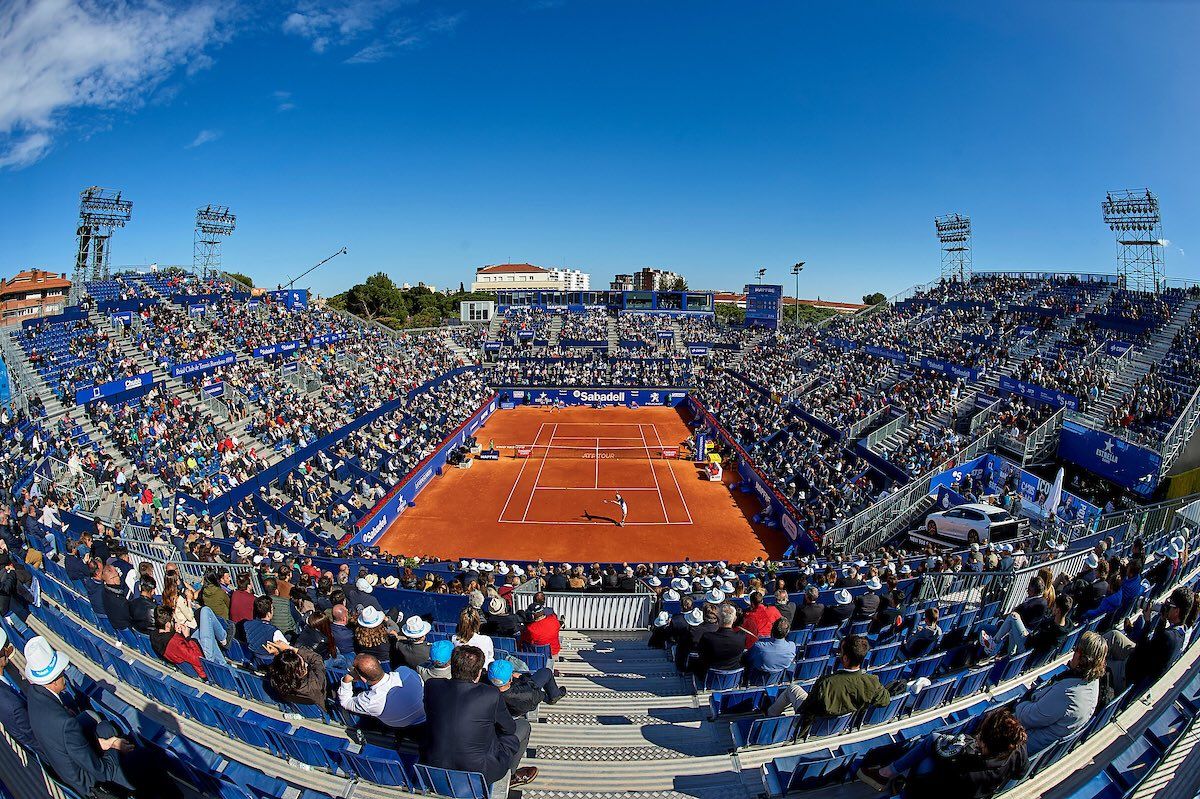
{"points": [[204, 137], [58, 55], [25, 150], [341, 22], [283, 101], [370, 26]]}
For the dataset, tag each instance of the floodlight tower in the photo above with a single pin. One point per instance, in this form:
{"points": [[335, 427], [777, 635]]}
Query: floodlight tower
{"points": [[213, 224], [101, 211], [954, 234], [1133, 215]]}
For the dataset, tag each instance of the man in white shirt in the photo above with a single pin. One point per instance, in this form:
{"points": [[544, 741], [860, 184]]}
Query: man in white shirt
{"points": [[395, 699]]}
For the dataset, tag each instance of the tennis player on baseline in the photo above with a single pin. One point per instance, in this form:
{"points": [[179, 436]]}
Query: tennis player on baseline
{"points": [[619, 501]]}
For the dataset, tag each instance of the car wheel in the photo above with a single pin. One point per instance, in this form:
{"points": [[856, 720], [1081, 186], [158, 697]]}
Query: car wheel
{"points": [[931, 528], [972, 536]]}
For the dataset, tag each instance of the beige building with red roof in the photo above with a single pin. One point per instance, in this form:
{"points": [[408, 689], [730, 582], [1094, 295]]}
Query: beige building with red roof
{"points": [[32, 293], [497, 277]]}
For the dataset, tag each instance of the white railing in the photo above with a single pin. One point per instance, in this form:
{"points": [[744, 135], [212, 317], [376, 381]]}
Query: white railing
{"points": [[877, 437], [585, 611]]}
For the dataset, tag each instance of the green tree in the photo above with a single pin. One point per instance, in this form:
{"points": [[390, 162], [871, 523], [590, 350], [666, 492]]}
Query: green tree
{"points": [[730, 313], [239, 277], [874, 299], [675, 284]]}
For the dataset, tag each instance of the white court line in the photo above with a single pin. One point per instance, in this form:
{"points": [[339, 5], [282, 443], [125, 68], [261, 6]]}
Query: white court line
{"points": [[673, 477], [596, 482], [654, 473], [597, 438], [585, 488], [518, 480], [607, 524], [538, 476]]}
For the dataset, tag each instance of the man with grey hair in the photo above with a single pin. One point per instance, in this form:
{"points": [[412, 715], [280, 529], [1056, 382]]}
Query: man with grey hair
{"points": [[723, 648], [809, 614]]}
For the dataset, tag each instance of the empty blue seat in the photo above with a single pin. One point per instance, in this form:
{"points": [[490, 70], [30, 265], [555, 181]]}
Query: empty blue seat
{"points": [[453, 784], [809, 668], [882, 715], [730, 703], [971, 681], [933, 695], [819, 649], [765, 732], [807, 772], [378, 770]]}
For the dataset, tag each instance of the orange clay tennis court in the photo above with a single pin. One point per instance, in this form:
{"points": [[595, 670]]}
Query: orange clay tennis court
{"points": [[549, 501]]}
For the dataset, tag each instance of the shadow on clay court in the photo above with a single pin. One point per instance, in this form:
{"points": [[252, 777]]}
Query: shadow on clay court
{"points": [[594, 517]]}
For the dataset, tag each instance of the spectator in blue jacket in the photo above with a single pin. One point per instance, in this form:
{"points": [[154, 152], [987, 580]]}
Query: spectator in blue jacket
{"points": [[1120, 602], [263, 638], [772, 654], [14, 710]]}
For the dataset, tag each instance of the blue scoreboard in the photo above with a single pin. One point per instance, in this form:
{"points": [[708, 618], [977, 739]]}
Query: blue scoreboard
{"points": [[764, 305]]}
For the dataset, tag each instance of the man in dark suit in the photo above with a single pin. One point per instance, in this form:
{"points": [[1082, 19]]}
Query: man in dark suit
{"points": [[77, 570], [809, 614], [867, 605], [116, 605], [77, 759], [721, 649], [469, 728], [14, 710]]}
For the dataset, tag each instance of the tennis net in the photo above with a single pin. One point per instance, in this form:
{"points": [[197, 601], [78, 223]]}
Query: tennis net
{"points": [[602, 452]]}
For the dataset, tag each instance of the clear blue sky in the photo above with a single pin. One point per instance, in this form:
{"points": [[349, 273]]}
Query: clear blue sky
{"points": [[707, 138]]}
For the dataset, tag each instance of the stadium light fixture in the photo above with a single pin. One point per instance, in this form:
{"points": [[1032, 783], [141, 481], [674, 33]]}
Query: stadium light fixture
{"points": [[101, 211], [797, 268], [213, 224], [1134, 215], [761, 274], [954, 236]]}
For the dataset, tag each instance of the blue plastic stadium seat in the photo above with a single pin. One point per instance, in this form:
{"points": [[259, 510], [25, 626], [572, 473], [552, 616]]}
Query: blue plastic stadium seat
{"points": [[882, 715], [819, 649], [765, 732], [934, 695], [723, 680], [381, 771], [831, 725], [731, 703], [453, 784]]}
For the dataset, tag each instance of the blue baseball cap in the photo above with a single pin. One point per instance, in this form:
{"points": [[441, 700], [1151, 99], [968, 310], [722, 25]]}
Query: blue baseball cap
{"points": [[500, 672], [440, 652]]}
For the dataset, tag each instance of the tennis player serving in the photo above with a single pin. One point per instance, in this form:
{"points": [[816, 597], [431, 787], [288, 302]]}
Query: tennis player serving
{"points": [[619, 501]]}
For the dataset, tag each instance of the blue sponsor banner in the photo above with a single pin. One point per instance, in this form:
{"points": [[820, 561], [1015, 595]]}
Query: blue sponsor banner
{"points": [[583, 342], [214, 389], [492, 346], [596, 396], [886, 352], [374, 524], [698, 349], [125, 317], [206, 299], [1025, 331], [1034, 491], [952, 369], [948, 498], [1136, 468], [252, 303], [278, 349], [1117, 348], [328, 338], [631, 344], [133, 304], [841, 343], [1036, 310], [69, 314], [291, 298], [668, 334], [203, 365], [525, 335], [290, 367], [1036, 393], [113, 388], [196, 310], [1134, 326]]}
